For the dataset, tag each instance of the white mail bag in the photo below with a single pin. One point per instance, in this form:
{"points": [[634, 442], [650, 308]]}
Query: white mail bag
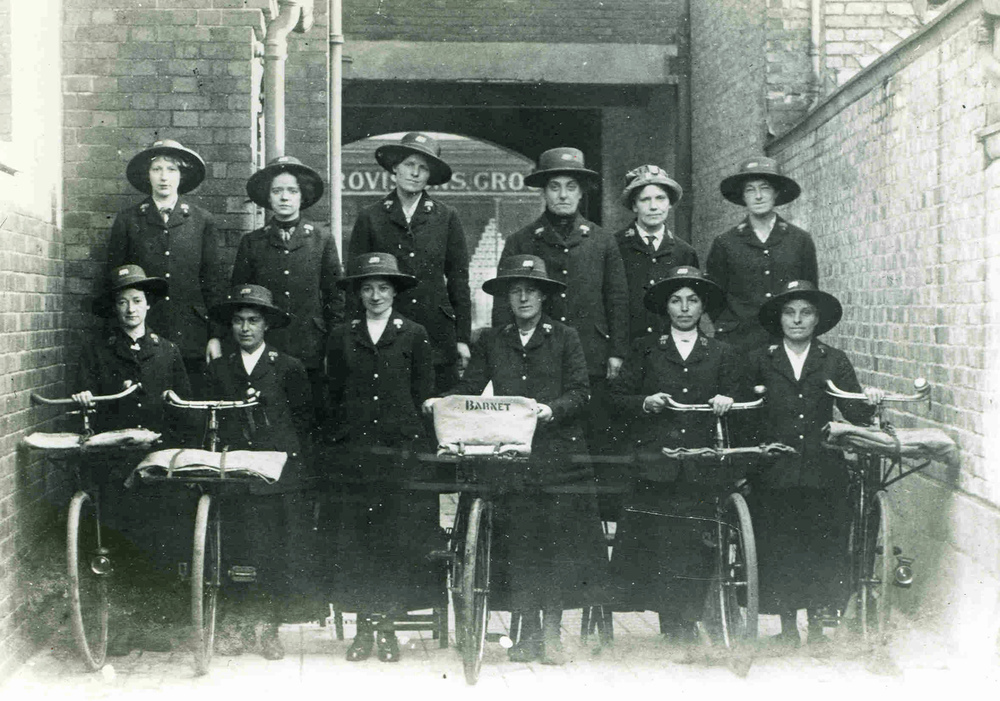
{"points": [[475, 425]]}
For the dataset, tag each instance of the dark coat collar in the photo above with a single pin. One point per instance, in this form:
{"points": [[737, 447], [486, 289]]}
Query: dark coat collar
{"points": [[264, 366], [359, 330], [580, 230], [778, 233], [179, 214], [512, 338], [814, 360], [667, 346], [125, 348], [392, 205], [637, 241], [303, 232]]}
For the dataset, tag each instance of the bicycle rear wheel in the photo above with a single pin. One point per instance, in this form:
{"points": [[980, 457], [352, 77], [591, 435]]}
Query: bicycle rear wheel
{"points": [[476, 588], [739, 593], [206, 566], [89, 567]]}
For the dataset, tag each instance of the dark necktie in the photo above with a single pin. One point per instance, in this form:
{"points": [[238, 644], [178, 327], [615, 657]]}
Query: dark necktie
{"points": [[651, 243], [286, 228], [165, 213]]}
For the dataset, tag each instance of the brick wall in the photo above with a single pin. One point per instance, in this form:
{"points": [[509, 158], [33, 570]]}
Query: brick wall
{"points": [[5, 45], [902, 204], [32, 340], [133, 74], [549, 21]]}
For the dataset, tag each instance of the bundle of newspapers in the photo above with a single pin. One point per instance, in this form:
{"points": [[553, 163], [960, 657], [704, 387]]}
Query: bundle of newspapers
{"points": [[122, 438], [930, 443], [194, 462]]}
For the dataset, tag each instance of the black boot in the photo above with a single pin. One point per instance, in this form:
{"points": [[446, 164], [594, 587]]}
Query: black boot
{"points": [[789, 635], [529, 647], [386, 644], [364, 640], [552, 649]]}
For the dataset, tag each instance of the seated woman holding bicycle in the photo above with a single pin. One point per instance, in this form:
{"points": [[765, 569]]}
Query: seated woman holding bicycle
{"points": [[549, 551], [129, 354], [661, 562], [798, 501], [271, 514]]}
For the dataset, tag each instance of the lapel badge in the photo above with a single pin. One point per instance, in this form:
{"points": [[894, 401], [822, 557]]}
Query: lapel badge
{"points": [[185, 209], [539, 231], [772, 349], [272, 355], [155, 339], [630, 233], [584, 228], [663, 340], [398, 323], [144, 207], [703, 341], [307, 227], [355, 323], [111, 340], [782, 225], [428, 205], [547, 328], [742, 225], [387, 204]]}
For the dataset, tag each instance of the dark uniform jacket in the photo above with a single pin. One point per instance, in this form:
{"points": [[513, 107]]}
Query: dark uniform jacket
{"points": [[280, 422], [751, 272], [654, 365], [550, 369], [185, 252], [796, 411], [376, 390], [302, 275], [642, 269], [113, 359], [431, 247], [595, 301]]}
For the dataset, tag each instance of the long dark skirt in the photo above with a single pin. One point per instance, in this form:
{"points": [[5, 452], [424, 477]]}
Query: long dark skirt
{"points": [[377, 543], [801, 539], [549, 549], [663, 555]]}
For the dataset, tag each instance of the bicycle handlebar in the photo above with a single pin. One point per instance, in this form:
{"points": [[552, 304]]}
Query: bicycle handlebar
{"points": [[759, 390], [920, 385], [170, 397], [38, 399]]}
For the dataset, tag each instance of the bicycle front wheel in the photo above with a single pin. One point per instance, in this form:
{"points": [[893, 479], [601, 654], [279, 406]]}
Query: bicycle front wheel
{"points": [[739, 592], [476, 588], [874, 554], [89, 567], [206, 565]]}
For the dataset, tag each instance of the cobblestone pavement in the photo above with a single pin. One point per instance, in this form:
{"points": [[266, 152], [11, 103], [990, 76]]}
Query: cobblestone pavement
{"points": [[639, 659]]}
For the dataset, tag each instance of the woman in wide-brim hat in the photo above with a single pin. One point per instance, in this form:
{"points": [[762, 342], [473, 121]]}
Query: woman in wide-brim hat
{"points": [[756, 258], [296, 259], [799, 509], [414, 143], [379, 371], [657, 298], [548, 552], [309, 182], [563, 160], [255, 297], [171, 237], [660, 563], [647, 246]]}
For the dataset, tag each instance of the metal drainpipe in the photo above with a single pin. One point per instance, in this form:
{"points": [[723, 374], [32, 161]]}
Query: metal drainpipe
{"points": [[815, 39], [335, 105], [292, 15]]}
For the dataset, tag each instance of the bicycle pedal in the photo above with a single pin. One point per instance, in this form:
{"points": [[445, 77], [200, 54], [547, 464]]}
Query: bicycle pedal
{"points": [[242, 573], [441, 556]]}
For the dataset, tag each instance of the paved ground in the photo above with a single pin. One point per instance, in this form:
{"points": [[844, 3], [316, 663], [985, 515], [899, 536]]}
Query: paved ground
{"points": [[639, 660]]}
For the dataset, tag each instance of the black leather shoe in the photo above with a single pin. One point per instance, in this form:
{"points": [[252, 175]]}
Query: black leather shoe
{"points": [[387, 646], [525, 651], [361, 647], [553, 653]]}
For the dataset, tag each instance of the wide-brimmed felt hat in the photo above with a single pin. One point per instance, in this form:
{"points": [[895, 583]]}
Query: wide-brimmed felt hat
{"points": [[522, 267], [254, 296], [259, 184], [640, 177], [562, 161], [760, 168], [657, 297], [377, 264], [125, 277], [391, 155], [192, 173], [828, 306]]}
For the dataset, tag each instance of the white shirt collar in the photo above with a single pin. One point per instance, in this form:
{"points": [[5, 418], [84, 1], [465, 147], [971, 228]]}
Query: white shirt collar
{"points": [[684, 340], [376, 327], [250, 359], [657, 235], [526, 335], [408, 210], [798, 360]]}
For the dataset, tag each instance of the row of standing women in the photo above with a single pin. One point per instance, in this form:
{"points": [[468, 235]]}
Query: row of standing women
{"points": [[561, 334]]}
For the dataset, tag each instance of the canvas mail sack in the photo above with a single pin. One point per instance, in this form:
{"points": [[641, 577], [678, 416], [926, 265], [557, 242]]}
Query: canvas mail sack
{"points": [[475, 425]]}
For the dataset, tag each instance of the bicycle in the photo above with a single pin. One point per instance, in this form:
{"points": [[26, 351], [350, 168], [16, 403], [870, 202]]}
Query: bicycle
{"points": [[875, 562], [89, 561]]}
